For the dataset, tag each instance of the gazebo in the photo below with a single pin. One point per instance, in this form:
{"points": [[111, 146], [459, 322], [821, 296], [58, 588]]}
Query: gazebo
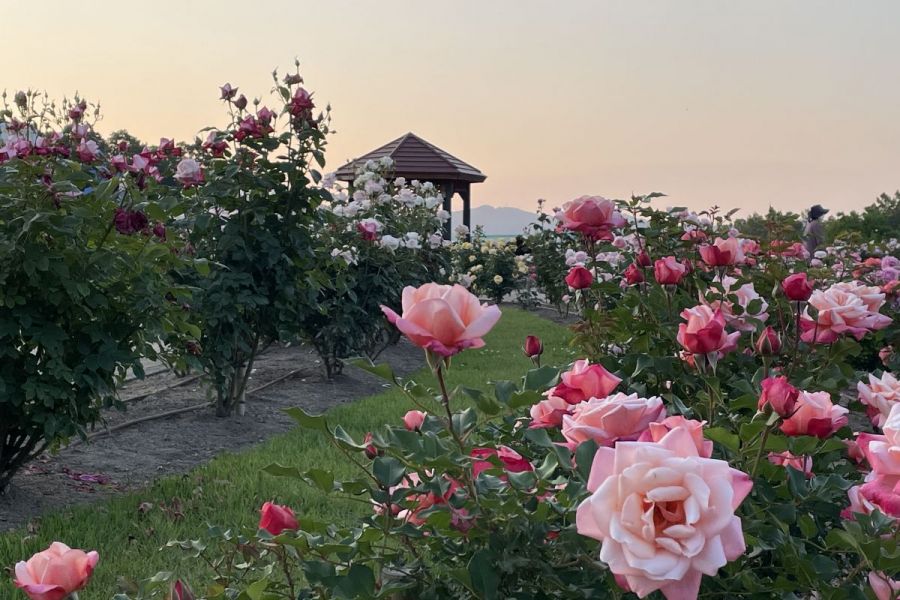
{"points": [[414, 158]]}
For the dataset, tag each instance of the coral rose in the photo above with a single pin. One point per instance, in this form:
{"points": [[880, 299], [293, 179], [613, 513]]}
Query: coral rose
{"points": [[585, 380], [880, 395], [611, 419], [778, 393], [275, 518], [657, 431], [443, 319], [664, 514], [592, 216], [722, 252], [549, 412], [704, 331], [815, 415], [55, 573]]}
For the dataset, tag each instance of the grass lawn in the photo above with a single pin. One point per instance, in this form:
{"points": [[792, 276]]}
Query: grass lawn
{"points": [[230, 489]]}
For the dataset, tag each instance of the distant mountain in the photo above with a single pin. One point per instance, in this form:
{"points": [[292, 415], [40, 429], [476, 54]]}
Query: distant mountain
{"points": [[498, 220]]}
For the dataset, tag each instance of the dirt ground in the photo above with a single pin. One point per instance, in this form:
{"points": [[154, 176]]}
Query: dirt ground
{"points": [[133, 457]]}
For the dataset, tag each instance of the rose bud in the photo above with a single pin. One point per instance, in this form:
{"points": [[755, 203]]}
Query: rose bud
{"points": [[159, 230], [885, 355], [275, 518], [241, 102], [643, 259], [371, 450], [797, 288], [769, 342], [181, 591], [778, 393], [533, 346], [293, 79], [579, 278], [634, 275], [21, 99], [413, 420]]}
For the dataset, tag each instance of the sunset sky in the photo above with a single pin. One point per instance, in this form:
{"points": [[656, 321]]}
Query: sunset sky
{"points": [[740, 103]]}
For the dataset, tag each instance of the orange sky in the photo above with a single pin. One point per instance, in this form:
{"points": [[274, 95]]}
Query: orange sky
{"points": [[739, 103]]}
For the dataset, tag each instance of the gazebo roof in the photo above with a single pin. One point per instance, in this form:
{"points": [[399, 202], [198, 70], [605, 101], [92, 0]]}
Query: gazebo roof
{"points": [[414, 158]]}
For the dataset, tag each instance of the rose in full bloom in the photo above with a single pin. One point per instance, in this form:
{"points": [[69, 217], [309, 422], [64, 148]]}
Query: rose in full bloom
{"points": [[769, 342], [664, 514], [189, 172], [55, 573], [816, 415], [668, 271], [839, 312], [511, 460], [704, 331], [722, 252], [880, 395], [611, 419], [883, 586], [657, 431], [549, 412], [579, 278], [797, 287], [87, 150], [368, 229], [634, 274], [778, 393], [871, 295], [592, 216], [443, 319], [583, 381], [276, 518], [883, 451], [746, 297], [414, 419]]}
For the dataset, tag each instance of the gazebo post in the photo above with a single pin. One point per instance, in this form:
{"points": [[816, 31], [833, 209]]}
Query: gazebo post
{"points": [[465, 194], [448, 189]]}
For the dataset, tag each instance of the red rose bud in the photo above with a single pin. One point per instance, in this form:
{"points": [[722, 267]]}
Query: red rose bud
{"points": [[634, 275], [797, 288], [643, 259], [778, 393], [533, 346], [371, 450], [159, 230], [579, 278], [769, 342], [180, 591], [275, 518], [241, 102]]}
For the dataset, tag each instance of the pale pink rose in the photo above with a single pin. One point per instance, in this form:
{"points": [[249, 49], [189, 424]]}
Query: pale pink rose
{"points": [[189, 172], [657, 431], [883, 586], [664, 514], [879, 396], [883, 492], [443, 319], [549, 412], [815, 414], [585, 380], [803, 464], [414, 419], [56, 572], [593, 216], [745, 294], [839, 312], [858, 504], [704, 331], [883, 451], [611, 419], [87, 150], [871, 296]]}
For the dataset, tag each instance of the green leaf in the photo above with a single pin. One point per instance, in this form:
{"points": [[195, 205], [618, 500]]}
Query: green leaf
{"points": [[345, 440], [541, 379], [584, 458], [465, 421], [282, 471], [388, 470], [359, 582], [306, 420], [382, 370], [724, 437], [484, 403], [483, 574]]}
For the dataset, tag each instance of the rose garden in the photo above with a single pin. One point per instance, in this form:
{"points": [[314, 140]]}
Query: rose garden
{"points": [[716, 418]]}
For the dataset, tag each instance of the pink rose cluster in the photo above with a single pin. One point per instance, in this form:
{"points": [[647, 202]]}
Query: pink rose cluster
{"points": [[582, 382], [594, 217]]}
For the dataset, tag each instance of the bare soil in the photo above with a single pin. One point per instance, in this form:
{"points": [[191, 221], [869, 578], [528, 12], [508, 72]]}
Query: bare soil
{"points": [[134, 456]]}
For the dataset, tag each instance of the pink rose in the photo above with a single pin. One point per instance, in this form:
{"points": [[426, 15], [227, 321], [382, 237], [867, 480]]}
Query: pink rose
{"points": [[879, 396], [634, 274], [579, 278], [188, 172], [722, 252], [413, 420], [611, 419], [769, 342], [549, 413], [704, 331], [797, 287], [871, 296], [368, 229], [839, 312], [56, 572], [882, 492], [657, 431], [87, 151], [815, 415], [883, 586], [803, 464], [592, 216], [533, 346], [664, 514], [512, 461], [275, 518], [668, 271], [778, 393], [443, 319], [585, 380], [883, 451]]}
